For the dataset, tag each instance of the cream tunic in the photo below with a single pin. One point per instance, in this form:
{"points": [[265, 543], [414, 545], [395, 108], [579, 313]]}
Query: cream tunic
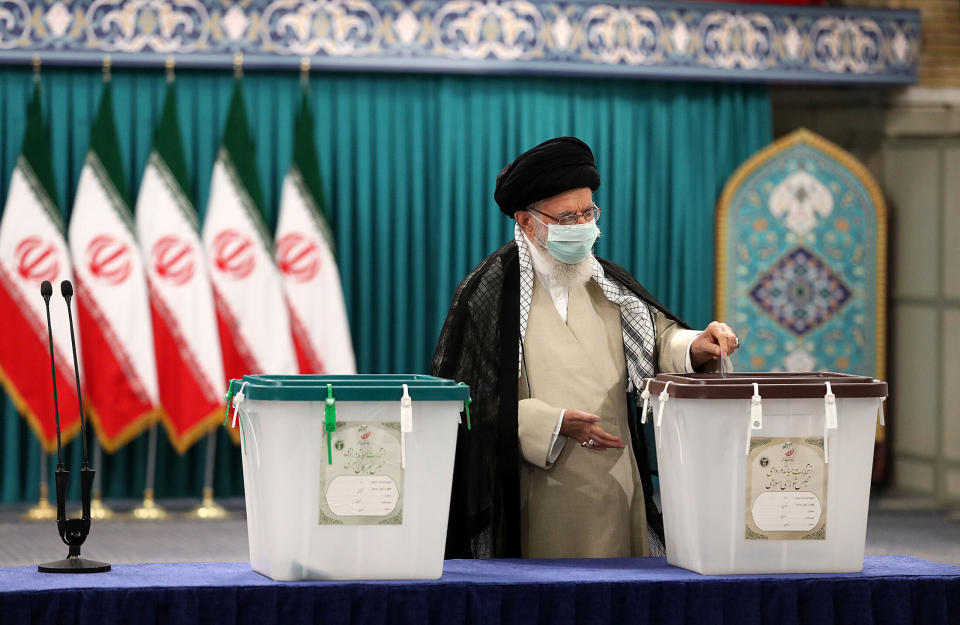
{"points": [[586, 503]]}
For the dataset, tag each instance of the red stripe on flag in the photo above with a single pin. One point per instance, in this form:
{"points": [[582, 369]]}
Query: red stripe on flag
{"points": [[191, 408], [238, 359], [121, 408], [308, 361], [25, 372]]}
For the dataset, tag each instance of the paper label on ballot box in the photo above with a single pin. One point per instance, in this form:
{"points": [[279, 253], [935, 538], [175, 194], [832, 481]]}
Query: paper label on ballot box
{"points": [[364, 484], [786, 489]]}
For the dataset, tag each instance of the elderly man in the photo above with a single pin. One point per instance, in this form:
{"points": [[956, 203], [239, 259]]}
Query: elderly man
{"points": [[554, 342]]}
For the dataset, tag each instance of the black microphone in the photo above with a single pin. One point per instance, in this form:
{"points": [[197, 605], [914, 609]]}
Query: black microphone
{"points": [[46, 290], [73, 532], [66, 289], [86, 473]]}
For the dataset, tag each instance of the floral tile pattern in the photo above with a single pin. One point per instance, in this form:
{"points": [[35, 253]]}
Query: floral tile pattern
{"points": [[636, 38]]}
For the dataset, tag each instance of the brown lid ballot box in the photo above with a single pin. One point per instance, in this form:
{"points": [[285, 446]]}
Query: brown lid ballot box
{"points": [[764, 472], [772, 385]]}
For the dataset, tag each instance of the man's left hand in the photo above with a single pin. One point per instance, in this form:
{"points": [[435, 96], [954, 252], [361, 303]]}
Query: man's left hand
{"points": [[706, 347]]}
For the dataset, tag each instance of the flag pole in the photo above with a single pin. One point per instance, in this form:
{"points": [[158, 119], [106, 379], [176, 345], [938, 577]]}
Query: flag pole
{"points": [[149, 510], [98, 510], [43, 511], [209, 510]]}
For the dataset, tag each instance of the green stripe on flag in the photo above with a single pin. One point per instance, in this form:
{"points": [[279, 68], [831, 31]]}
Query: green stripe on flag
{"points": [[168, 143], [306, 167], [305, 152], [36, 151], [241, 150], [106, 146]]}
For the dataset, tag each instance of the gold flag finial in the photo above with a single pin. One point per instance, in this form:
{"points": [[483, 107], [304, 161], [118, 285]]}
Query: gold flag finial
{"points": [[36, 67], [304, 70], [238, 65], [107, 62], [169, 65]]}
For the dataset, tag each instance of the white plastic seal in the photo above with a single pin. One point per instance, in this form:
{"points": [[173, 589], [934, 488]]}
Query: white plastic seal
{"points": [[645, 395], [880, 412], [237, 400], [406, 424], [664, 397], [756, 416], [829, 420]]}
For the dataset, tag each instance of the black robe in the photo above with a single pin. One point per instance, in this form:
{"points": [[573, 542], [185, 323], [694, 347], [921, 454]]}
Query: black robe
{"points": [[479, 345]]}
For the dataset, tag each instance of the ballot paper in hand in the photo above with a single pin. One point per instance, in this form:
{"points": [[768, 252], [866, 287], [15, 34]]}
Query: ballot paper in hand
{"points": [[364, 483], [786, 489]]}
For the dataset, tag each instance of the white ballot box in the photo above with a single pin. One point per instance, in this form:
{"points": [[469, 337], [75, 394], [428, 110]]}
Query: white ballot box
{"points": [[347, 477], [765, 472]]}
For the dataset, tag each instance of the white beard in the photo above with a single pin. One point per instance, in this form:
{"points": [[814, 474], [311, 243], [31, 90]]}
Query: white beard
{"points": [[559, 272]]}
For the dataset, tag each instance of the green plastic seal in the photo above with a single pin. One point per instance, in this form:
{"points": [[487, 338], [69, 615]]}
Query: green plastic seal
{"points": [[330, 421]]}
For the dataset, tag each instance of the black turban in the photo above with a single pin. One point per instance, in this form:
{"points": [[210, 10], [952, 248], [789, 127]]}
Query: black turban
{"points": [[552, 167]]}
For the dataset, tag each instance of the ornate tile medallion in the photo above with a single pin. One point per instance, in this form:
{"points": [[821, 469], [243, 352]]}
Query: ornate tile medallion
{"points": [[800, 292]]}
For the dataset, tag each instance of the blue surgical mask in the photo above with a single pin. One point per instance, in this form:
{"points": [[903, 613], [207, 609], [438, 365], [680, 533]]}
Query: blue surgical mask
{"points": [[571, 244]]}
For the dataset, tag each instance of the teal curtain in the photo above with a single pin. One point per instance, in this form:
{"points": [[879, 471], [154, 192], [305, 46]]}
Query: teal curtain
{"points": [[409, 163]]}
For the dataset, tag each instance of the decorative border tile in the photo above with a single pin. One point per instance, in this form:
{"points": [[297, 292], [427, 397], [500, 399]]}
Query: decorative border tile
{"points": [[690, 40]]}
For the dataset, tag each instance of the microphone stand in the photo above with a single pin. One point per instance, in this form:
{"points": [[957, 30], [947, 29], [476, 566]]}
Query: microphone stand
{"points": [[73, 532]]}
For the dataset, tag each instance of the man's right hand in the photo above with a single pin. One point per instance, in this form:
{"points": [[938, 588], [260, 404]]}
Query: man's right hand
{"points": [[583, 427]]}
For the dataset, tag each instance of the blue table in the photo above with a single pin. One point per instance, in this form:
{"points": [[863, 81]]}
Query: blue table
{"points": [[891, 589]]}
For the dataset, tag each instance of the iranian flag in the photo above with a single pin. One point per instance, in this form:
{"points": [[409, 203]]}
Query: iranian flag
{"points": [[305, 256], [189, 368], [112, 301], [33, 249], [252, 315]]}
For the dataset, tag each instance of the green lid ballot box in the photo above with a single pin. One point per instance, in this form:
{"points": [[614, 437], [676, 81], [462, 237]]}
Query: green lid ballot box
{"points": [[347, 477], [765, 472]]}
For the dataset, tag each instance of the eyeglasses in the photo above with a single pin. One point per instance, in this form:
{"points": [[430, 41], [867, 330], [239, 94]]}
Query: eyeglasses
{"points": [[568, 218]]}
